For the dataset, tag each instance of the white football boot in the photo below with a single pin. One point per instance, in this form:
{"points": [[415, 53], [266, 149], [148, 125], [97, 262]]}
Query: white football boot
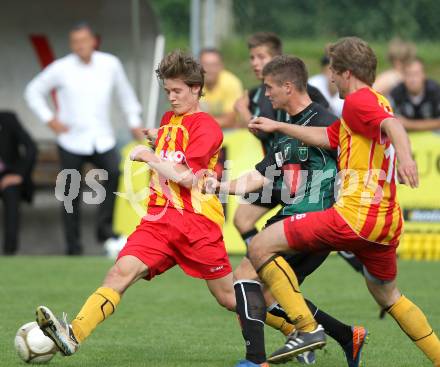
{"points": [[58, 330]]}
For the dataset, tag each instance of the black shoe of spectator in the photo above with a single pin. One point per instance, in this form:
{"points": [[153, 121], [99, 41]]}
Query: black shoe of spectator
{"points": [[103, 236], [74, 251], [9, 253]]}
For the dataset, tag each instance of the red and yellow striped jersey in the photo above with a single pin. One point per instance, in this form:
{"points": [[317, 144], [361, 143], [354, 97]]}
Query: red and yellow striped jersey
{"points": [[367, 168], [193, 140]]}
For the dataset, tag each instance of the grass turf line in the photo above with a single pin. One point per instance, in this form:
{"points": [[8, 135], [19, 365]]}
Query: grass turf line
{"points": [[175, 322]]}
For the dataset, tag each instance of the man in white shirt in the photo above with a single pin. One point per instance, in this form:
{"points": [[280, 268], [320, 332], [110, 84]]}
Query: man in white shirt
{"points": [[327, 88], [84, 81]]}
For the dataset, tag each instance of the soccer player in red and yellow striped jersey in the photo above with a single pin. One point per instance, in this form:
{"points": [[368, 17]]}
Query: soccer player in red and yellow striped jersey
{"points": [[182, 226], [367, 161], [366, 218], [193, 140]]}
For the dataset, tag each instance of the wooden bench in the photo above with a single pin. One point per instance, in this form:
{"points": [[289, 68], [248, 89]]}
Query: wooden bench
{"points": [[47, 165]]}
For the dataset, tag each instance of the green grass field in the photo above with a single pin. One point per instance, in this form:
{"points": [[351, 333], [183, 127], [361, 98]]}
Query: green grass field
{"points": [[174, 322]]}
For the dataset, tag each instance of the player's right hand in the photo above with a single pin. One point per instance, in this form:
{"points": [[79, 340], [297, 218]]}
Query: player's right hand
{"points": [[210, 185], [141, 153], [57, 126], [407, 173], [263, 124]]}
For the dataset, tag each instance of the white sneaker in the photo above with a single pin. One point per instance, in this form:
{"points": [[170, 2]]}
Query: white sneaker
{"points": [[58, 330]]}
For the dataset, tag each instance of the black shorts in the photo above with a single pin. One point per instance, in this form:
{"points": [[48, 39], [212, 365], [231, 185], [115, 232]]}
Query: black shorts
{"points": [[303, 264], [270, 202]]}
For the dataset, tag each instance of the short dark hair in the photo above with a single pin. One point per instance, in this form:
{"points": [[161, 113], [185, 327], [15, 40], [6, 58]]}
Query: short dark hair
{"points": [[179, 65], [325, 60], [287, 68], [355, 55], [268, 39], [82, 26], [413, 60], [210, 50]]}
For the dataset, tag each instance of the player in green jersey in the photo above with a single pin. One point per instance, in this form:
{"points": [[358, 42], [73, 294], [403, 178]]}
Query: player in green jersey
{"points": [[305, 177]]}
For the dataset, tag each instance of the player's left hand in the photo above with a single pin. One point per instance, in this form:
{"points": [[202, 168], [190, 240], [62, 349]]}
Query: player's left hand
{"points": [[407, 173], [263, 124], [141, 153], [151, 135]]}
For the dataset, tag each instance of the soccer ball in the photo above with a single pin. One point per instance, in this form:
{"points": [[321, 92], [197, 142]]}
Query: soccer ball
{"points": [[112, 246], [32, 345]]}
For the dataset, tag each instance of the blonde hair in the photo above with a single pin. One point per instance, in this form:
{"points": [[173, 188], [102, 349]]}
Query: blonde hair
{"points": [[399, 50]]}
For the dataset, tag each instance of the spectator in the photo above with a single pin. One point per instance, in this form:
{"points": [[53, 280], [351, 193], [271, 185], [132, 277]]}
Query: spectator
{"points": [[222, 89], [17, 158], [417, 100], [399, 53], [327, 87], [263, 48], [85, 80]]}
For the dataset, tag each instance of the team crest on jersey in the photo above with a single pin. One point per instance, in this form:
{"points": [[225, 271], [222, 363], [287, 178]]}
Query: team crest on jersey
{"points": [[287, 153], [303, 153], [279, 159]]}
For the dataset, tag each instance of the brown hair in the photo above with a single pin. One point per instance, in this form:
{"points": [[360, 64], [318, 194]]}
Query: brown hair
{"points": [[268, 39], [414, 60], [178, 65], [288, 69], [355, 55], [211, 50], [402, 51]]}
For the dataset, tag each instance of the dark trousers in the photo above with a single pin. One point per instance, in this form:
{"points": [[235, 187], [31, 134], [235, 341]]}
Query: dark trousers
{"points": [[11, 197], [109, 161]]}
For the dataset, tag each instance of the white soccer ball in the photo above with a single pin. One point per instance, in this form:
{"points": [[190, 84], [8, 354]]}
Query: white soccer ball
{"points": [[113, 246], [32, 345]]}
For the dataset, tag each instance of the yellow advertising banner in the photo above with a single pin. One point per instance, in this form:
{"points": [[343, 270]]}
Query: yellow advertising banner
{"points": [[131, 196], [242, 151], [422, 205]]}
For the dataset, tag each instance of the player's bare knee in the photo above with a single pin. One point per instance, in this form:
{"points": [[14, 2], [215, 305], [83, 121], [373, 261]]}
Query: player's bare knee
{"points": [[385, 293], [243, 223], [227, 301], [241, 273], [245, 271], [120, 276], [391, 296], [116, 280], [258, 252]]}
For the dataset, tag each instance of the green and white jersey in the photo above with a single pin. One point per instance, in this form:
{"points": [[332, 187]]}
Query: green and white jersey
{"points": [[304, 175], [260, 106]]}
